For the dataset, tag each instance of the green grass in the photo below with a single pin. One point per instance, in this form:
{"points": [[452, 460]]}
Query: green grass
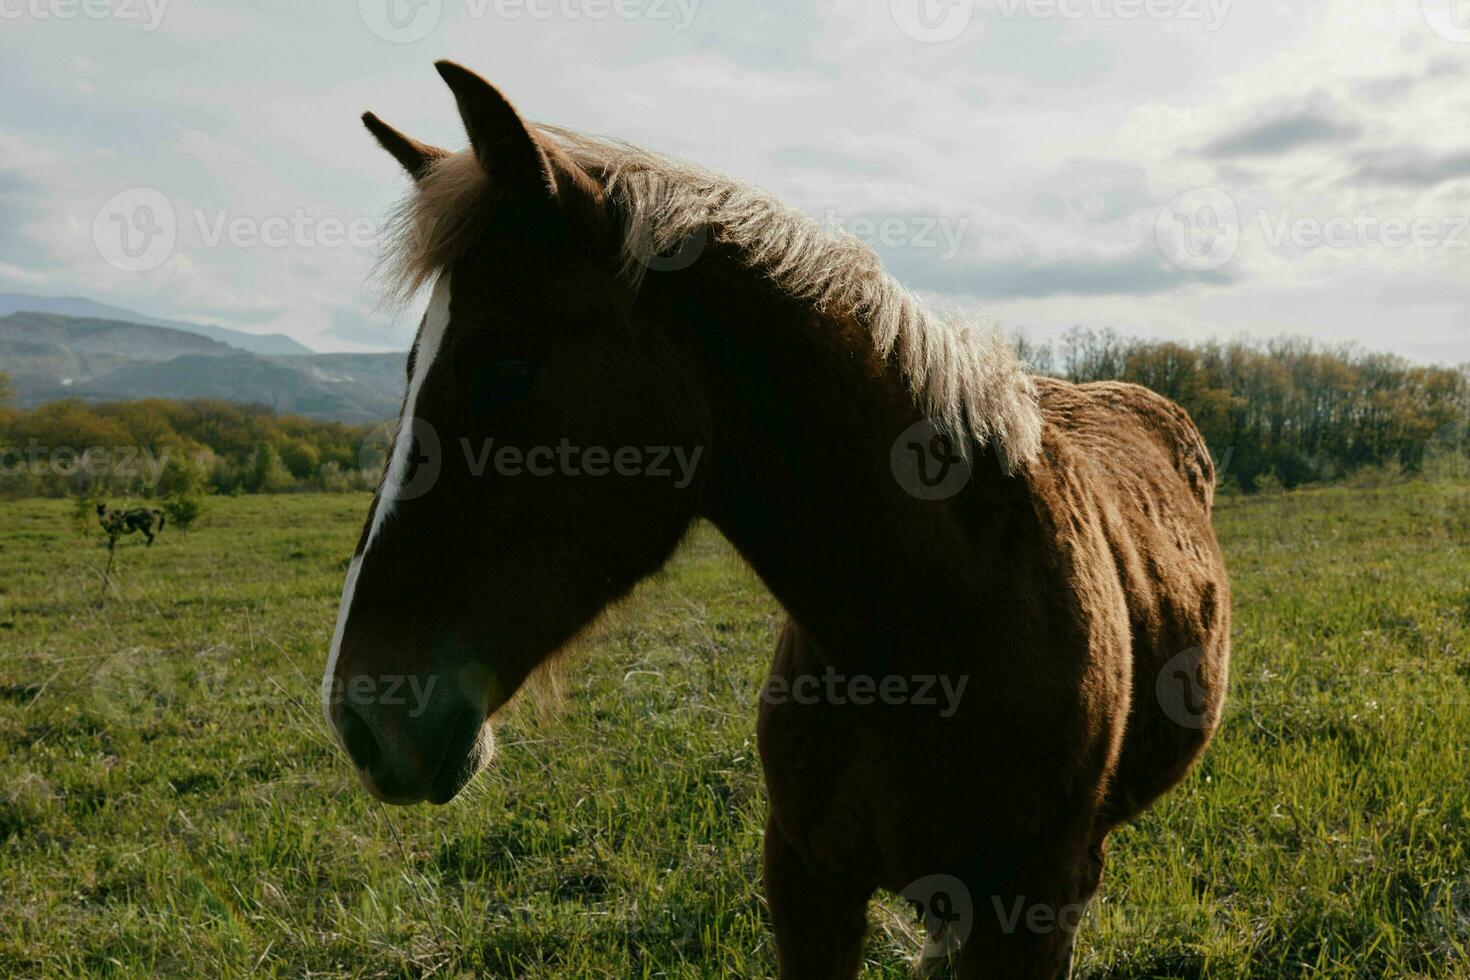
{"points": [[169, 800]]}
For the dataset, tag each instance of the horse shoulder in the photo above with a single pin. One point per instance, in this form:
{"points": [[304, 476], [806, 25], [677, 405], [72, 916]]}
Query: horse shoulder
{"points": [[1158, 434]]}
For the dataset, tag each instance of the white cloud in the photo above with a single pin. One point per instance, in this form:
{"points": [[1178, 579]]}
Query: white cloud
{"points": [[1054, 142]]}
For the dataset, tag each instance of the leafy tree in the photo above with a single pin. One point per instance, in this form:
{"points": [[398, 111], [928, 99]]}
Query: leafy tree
{"points": [[6, 391], [301, 458], [183, 502], [182, 510], [266, 472]]}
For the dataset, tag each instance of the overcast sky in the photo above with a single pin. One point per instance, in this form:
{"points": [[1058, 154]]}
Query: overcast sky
{"points": [[1169, 168]]}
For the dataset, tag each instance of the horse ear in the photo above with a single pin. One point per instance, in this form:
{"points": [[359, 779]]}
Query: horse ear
{"points": [[416, 157], [502, 142]]}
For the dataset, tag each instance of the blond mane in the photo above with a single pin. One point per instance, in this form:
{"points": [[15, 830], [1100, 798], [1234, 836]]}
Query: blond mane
{"points": [[962, 373]]}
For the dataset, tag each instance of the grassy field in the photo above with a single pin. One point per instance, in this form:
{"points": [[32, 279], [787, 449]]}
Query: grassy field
{"points": [[170, 802]]}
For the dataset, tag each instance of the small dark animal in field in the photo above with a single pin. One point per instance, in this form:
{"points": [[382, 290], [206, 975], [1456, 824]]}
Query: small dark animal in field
{"points": [[116, 523]]}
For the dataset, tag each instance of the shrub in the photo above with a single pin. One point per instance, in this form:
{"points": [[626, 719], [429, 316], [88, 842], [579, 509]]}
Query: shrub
{"points": [[183, 485], [183, 510]]}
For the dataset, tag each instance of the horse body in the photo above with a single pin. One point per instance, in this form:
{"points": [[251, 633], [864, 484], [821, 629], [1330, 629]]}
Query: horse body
{"points": [[1061, 590]]}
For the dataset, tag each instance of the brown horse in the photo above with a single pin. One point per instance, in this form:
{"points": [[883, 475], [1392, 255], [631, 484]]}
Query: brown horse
{"points": [[921, 506]]}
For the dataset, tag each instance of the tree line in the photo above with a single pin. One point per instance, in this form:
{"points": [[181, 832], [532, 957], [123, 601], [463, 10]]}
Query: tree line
{"points": [[1286, 411], [1279, 413], [152, 446]]}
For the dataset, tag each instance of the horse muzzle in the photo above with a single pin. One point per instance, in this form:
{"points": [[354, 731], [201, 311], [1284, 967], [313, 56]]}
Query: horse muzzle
{"points": [[415, 747]]}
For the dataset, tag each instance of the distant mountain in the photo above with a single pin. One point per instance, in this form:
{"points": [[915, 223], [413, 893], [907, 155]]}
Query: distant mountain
{"points": [[272, 343], [50, 357], [287, 385]]}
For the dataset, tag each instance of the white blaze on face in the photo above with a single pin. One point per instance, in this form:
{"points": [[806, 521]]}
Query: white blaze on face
{"points": [[342, 611], [436, 322]]}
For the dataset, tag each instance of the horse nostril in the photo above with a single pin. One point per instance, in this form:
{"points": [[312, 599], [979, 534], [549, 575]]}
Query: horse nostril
{"points": [[357, 738]]}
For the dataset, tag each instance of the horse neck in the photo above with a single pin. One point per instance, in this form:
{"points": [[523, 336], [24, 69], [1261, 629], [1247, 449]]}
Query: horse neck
{"points": [[797, 475]]}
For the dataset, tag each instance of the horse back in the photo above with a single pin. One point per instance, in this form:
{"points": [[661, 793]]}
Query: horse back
{"points": [[1139, 438]]}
